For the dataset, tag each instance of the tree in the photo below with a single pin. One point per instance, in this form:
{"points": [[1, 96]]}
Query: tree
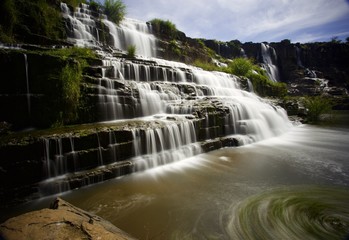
{"points": [[115, 10], [335, 40]]}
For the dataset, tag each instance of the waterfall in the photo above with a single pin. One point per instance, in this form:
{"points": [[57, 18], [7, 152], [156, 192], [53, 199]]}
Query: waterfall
{"points": [[268, 55], [81, 26], [165, 87], [155, 111], [133, 33], [174, 142], [298, 54], [27, 83], [84, 29]]}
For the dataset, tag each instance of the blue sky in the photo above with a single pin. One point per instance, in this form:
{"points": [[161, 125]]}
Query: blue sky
{"points": [[249, 20]]}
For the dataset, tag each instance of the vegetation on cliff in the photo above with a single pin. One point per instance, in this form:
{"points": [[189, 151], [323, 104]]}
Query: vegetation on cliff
{"points": [[244, 67], [115, 10], [36, 22], [69, 79], [164, 28], [316, 106]]}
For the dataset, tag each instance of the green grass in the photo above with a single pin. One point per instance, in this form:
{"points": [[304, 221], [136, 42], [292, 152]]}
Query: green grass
{"points": [[166, 29]]}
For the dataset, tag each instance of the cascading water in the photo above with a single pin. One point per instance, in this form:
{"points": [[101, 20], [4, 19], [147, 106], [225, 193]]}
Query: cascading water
{"points": [[133, 33], [84, 30], [168, 110], [81, 26], [268, 55], [27, 82]]}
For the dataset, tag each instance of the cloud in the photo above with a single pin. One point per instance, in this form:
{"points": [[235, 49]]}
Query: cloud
{"points": [[246, 20]]}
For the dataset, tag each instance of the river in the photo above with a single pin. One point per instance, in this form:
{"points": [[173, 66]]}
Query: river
{"points": [[295, 186]]}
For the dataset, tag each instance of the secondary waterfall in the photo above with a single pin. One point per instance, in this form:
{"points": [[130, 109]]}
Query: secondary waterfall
{"points": [[27, 82], [83, 30], [269, 57]]}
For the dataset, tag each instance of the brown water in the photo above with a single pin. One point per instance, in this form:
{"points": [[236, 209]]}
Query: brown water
{"points": [[295, 186]]}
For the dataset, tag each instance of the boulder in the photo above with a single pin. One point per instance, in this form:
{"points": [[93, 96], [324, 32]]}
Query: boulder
{"points": [[61, 221]]}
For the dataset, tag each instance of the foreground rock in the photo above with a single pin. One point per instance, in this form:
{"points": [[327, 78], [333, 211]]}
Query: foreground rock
{"points": [[61, 221]]}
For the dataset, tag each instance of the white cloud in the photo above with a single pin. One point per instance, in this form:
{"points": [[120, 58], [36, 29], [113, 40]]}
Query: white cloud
{"points": [[240, 19]]}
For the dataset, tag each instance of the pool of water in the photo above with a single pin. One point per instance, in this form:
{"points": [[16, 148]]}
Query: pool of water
{"points": [[295, 186]]}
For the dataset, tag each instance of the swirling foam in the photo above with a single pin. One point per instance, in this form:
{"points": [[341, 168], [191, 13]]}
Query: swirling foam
{"points": [[297, 213]]}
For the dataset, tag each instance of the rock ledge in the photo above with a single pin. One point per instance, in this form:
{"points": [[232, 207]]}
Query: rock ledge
{"points": [[61, 221]]}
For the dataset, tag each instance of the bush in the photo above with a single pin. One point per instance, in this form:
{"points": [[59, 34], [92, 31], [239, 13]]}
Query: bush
{"points": [[8, 20], [165, 29], [241, 66], [131, 51], [69, 79], [115, 10], [316, 106]]}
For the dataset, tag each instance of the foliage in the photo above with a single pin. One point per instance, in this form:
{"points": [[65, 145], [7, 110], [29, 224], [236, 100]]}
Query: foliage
{"points": [[286, 42], [95, 6], [335, 39], [201, 42], [68, 79], [241, 66], [131, 51], [75, 52], [164, 28], [209, 66], [115, 10], [316, 106], [264, 86], [175, 48], [8, 19], [28, 21]]}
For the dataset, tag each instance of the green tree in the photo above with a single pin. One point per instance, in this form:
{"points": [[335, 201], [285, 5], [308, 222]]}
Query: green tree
{"points": [[115, 10]]}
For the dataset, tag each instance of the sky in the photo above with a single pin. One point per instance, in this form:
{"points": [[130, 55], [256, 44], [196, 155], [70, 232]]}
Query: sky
{"points": [[249, 20]]}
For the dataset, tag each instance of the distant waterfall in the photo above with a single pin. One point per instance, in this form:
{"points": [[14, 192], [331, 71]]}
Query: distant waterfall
{"points": [[27, 82], [269, 57]]}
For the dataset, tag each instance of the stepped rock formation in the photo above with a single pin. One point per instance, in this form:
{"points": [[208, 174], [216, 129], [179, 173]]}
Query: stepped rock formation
{"points": [[135, 113]]}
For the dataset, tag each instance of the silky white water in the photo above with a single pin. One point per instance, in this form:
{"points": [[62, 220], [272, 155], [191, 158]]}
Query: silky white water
{"points": [[295, 186]]}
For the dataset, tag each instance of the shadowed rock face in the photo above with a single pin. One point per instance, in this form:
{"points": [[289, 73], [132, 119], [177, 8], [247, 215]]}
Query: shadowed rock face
{"points": [[61, 221]]}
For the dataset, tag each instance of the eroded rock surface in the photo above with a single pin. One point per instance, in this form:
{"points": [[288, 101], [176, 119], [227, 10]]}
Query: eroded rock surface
{"points": [[61, 221]]}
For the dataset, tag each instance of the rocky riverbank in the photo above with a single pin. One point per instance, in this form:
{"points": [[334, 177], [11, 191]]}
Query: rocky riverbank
{"points": [[61, 221]]}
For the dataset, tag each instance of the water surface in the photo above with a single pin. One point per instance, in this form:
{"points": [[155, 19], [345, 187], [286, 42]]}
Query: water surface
{"points": [[295, 186]]}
